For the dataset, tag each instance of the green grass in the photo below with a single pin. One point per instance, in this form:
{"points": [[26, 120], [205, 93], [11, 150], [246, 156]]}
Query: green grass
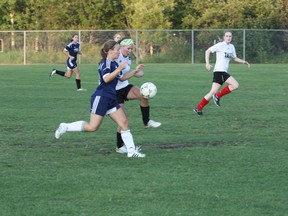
{"points": [[231, 161]]}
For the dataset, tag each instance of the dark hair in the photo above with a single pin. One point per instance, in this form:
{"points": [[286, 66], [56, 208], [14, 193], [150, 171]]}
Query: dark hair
{"points": [[106, 47], [226, 31], [73, 37]]}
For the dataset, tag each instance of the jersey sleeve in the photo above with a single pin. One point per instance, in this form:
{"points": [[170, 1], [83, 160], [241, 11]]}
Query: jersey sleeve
{"points": [[105, 71], [68, 47], [215, 47]]}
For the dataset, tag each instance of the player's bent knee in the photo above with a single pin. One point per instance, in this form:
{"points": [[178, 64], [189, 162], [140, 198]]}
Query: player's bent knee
{"points": [[236, 86], [91, 128]]}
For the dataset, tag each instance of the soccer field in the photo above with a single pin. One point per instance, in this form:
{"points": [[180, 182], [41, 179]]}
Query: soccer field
{"points": [[230, 161]]}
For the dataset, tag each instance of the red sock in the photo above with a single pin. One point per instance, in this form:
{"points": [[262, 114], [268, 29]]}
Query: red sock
{"points": [[202, 104], [223, 92]]}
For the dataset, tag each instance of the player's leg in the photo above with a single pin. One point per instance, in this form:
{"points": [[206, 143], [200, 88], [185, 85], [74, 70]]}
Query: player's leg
{"points": [[119, 140], [134, 94], [58, 72], [232, 85], [80, 126], [120, 146], [68, 73], [205, 100], [121, 120], [78, 79]]}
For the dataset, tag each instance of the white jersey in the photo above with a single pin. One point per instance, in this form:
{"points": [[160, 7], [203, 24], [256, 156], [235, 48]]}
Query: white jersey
{"points": [[224, 53], [121, 58]]}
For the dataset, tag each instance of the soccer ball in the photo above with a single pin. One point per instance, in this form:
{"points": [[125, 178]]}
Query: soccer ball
{"points": [[148, 90]]}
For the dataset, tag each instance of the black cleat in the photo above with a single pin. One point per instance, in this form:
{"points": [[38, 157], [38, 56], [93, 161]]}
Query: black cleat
{"points": [[198, 112], [216, 100]]}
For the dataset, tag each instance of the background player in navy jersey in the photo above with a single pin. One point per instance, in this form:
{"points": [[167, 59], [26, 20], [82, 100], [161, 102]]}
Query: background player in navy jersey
{"points": [[71, 50], [104, 102], [126, 91], [225, 51]]}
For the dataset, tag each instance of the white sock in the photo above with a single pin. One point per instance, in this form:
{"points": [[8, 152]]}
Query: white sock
{"points": [[75, 126], [128, 140]]}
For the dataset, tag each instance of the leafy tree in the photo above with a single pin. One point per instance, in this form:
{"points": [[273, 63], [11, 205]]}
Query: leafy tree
{"points": [[147, 14], [234, 14], [11, 13], [142, 14]]}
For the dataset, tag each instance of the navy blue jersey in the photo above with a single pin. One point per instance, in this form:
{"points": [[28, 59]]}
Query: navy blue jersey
{"points": [[73, 49], [107, 89]]}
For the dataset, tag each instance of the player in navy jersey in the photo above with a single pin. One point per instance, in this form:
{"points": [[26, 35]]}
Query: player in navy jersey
{"points": [[71, 50], [126, 91], [225, 51], [104, 102]]}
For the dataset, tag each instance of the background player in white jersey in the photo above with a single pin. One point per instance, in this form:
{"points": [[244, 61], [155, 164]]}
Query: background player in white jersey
{"points": [[104, 102], [225, 51], [126, 91], [71, 50], [117, 37]]}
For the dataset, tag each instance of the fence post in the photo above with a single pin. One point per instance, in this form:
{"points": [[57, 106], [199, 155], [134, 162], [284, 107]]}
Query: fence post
{"points": [[137, 48], [24, 47], [80, 56], [244, 44], [192, 46]]}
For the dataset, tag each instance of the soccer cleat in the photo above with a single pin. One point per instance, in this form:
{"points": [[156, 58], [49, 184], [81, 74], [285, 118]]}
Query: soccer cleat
{"points": [[61, 130], [52, 72], [123, 149], [135, 154], [81, 89], [198, 112], [216, 100], [152, 124]]}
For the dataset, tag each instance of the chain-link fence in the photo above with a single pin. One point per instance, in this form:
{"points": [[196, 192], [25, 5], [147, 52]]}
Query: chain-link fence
{"points": [[151, 46]]}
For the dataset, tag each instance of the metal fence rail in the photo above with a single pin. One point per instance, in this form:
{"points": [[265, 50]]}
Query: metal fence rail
{"points": [[151, 46]]}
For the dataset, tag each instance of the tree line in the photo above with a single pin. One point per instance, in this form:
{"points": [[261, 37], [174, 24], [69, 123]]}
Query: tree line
{"points": [[142, 14]]}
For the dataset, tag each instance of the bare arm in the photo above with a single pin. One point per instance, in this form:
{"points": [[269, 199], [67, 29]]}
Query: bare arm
{"points": [[136, 72], [207, 59], [241, 61], [109, 77], [81, 53], [67, 54]]}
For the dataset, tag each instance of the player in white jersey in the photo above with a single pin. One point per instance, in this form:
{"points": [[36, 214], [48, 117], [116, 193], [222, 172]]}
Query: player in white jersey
{"points": [[126, 91], [117, 37], [225, 51]]}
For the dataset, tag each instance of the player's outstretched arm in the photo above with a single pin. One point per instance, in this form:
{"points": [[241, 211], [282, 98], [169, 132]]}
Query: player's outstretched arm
{"points": [[241, 61]]}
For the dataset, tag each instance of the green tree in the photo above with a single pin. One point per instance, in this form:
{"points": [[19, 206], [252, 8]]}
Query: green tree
{"points": [[142, 14], [11, 13], [234, 14], [147, 14]]}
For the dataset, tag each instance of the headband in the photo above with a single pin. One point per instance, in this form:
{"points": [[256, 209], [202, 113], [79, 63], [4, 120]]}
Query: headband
{"points": [[126, 42]]}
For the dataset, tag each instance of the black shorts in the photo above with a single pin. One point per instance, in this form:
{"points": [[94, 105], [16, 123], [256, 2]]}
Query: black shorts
{"points": [[220, 77], [122, 94]]}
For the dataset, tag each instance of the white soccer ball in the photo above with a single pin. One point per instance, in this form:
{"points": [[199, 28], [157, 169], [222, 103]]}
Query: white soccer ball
{"points": [[148, 90]]}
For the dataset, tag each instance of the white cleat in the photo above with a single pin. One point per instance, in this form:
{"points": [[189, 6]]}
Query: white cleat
{"points": [[152, 124], [136, 154], [61, 130], [123, 149], [81, 89], [52, 72]]}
